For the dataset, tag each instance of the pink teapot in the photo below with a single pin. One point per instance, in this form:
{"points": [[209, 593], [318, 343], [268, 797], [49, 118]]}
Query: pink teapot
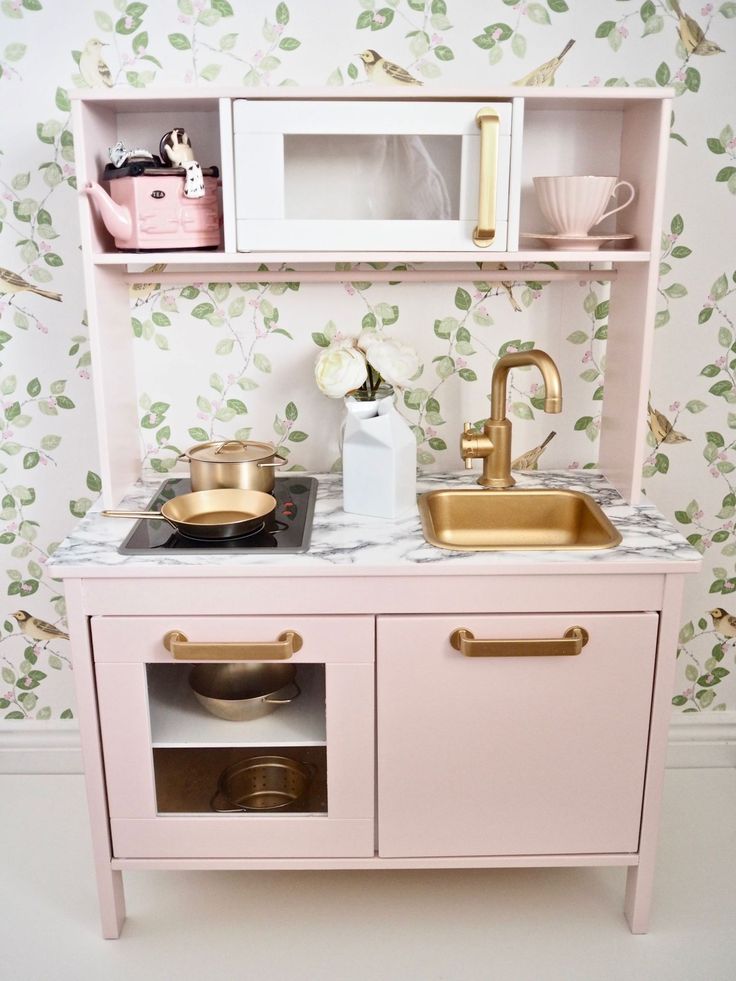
{"points": [[147, 208]]}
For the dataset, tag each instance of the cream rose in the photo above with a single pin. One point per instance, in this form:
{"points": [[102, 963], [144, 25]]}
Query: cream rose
{"points": [[339, 370], [396, 363]]}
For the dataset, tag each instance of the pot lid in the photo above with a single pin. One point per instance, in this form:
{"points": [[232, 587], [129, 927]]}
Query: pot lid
{"points": [[231, 451]]}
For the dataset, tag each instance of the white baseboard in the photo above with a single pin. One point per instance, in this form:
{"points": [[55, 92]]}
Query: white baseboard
{"points": [[707, 739], [40, 747]]}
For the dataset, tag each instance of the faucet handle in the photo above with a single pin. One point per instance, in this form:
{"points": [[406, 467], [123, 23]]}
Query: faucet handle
{"points": [[467, 429]]}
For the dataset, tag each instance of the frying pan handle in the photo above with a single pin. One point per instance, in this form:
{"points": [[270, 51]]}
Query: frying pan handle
{"points": [[223, 810], [276, 457], [154, 515], [284, 701]]}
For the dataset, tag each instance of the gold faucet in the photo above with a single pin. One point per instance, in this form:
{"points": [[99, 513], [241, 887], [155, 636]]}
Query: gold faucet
{"points": [[493, 445]]}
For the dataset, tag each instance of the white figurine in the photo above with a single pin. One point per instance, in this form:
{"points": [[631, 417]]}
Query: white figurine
{"points": [[176, 150]]}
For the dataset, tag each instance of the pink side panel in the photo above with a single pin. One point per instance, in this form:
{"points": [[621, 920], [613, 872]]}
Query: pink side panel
{"points": [[350, 740], [326, 639], [512, 755], [640, 881], [109, 881]]}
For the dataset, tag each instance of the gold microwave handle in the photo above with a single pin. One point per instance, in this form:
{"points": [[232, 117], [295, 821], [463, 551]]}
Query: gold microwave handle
{"points": [[287, 643], [485, 231], [572, 642]]}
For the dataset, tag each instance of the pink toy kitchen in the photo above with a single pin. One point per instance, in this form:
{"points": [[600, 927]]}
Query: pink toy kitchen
{"points": [[280, 669]]}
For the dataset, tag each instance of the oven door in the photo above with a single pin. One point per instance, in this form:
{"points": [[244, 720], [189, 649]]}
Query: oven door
{"points": [[372, 176]]}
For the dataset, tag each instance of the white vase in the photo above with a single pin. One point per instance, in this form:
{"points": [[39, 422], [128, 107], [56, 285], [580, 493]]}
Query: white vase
{"points": [[379, 460]]}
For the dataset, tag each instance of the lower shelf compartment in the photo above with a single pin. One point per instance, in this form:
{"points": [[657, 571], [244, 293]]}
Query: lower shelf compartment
{"points": [[187, 779]]}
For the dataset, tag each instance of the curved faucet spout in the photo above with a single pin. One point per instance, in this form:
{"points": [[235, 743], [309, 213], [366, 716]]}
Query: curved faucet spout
{"points": [[549, 372], [493, 445]]}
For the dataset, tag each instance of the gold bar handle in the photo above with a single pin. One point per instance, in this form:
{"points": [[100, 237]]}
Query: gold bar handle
{"points": [[485, 231], [572, 642], [287, 643]]}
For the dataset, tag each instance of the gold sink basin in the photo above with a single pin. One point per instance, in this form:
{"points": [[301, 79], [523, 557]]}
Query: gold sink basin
{"points": [[481, 520]]}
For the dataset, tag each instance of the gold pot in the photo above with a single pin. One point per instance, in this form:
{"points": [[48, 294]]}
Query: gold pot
{"points": [[244, 690], [235, 463]]}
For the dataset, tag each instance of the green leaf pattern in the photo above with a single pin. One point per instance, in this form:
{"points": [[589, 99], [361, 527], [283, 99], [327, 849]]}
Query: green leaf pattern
{"points": [[244, 353]]}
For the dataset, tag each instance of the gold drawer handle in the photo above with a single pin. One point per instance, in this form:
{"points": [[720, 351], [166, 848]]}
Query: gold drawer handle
{"points": [[485, 231], [572, 642], [288, 643]]}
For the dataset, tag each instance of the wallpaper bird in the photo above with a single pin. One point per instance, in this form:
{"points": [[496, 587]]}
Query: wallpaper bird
{"points": [[383, 72], [723, 623], [11, 283], [92, 65], [141, 293], [36, 629], [662, 429], [545, 74], [529, 460], [692, 34]]}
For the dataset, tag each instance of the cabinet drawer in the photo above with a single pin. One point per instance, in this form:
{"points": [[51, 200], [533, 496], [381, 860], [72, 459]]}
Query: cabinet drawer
{"points": [[347, 639], [508, 755]]}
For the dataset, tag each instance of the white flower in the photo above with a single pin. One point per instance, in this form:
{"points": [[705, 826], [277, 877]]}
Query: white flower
{"points": [[339, 370], [366, 338], [396, 363]]}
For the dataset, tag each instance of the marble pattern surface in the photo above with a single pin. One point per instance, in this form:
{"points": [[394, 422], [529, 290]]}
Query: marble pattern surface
{"points": [[350, 542]]}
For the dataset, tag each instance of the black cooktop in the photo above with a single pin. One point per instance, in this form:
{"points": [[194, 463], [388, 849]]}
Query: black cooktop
{"points": [[289, 531]]}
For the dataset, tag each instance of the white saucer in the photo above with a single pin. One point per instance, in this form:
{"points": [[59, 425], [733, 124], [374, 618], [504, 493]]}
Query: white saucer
{"points": [[570, 243]]}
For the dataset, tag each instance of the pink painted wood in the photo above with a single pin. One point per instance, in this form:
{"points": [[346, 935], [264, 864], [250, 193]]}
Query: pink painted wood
{"points": [[633, 304], [109, 880], [346, 645], [640, 881], [320, 591], [326, 640], [462, 770]]}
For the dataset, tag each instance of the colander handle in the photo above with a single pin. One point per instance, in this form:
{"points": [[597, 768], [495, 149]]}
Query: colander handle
{"points": [[223, 810]]}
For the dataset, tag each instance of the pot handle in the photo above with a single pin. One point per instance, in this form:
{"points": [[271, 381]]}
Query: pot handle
{"points": [[183, 456], [284, 701], [223, 810], [230, 442], [276, 457]]}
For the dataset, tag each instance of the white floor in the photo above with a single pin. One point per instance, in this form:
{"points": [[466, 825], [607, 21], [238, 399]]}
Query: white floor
{"points": [[500, 925]]}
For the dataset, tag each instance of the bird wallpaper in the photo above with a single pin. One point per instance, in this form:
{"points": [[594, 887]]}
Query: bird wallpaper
{"points": [[234, 360]]}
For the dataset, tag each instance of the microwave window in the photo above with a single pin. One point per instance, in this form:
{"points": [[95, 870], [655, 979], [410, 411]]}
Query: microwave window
{"points": [[371, 177]]}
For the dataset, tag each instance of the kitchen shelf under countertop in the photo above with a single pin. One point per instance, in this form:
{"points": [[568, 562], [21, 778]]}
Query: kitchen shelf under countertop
{"points": [[350, 545]]}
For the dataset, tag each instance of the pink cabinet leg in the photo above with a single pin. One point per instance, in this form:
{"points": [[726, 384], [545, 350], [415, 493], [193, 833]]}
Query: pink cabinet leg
{"points": [[638, 902], [112, 900]]}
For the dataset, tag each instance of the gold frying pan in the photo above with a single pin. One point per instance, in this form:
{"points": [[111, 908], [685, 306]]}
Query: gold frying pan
{"points": [[212, 514]]}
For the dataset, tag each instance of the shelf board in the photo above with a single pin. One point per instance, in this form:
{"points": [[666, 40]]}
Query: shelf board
{"points": [[178, 721], [235, 260]]}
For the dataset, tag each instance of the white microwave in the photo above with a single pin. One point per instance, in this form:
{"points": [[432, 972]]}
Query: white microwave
{"points": [[372, 176]]}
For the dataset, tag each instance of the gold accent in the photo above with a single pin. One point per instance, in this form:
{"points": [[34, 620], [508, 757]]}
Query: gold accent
{"points": [[493, 445], [287, 644], [472, 519], [572, 642], [485, 232]]}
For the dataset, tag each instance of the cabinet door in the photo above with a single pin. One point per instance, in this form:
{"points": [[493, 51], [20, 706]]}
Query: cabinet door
{"points": [[369, 176], [512, 755], [165, 753]]}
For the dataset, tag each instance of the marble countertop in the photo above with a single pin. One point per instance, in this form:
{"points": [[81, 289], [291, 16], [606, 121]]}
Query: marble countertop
{"points": [[347, 544]]}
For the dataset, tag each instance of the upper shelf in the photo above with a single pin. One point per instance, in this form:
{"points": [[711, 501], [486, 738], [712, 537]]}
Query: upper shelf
{"points": [[160, 99], [193, 260]]}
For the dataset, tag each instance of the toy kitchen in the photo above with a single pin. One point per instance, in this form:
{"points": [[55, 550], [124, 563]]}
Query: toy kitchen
{"points": [[281, 670]]}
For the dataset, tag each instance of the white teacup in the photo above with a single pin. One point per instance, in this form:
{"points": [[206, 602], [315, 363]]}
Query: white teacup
{"points": [[573, 205]]}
